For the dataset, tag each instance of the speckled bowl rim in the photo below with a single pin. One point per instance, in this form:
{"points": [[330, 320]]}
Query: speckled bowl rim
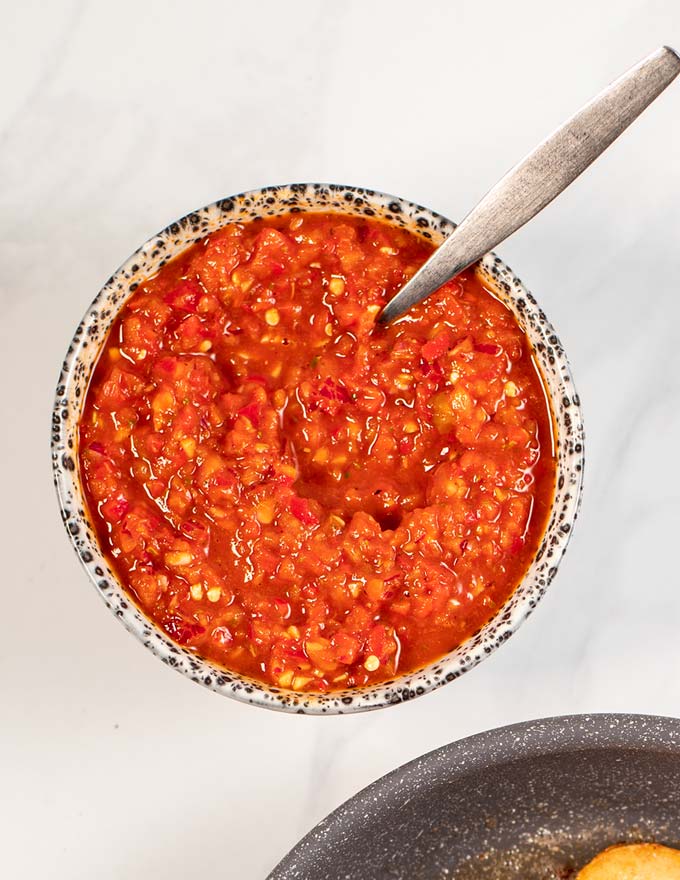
{"points": [[271, 201], [495, 748]]}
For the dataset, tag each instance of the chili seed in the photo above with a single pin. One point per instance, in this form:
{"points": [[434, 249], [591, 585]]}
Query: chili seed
{"points": [[286, 678], [321, 456], [300, 681], [178, 558], [265, 511], [188, 444], [371, 663]]}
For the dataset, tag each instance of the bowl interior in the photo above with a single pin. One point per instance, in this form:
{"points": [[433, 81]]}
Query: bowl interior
{"points": [[534, 801], [271, 201]]}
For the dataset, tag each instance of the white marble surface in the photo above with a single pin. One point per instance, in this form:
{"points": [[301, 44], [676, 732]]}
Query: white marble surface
{"points": [[117, 117]]}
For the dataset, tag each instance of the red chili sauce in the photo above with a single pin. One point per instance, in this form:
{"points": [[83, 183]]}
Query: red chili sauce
{"points": [[296, 492]]}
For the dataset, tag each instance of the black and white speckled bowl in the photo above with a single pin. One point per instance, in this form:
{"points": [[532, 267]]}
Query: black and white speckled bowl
{"points": [[532, 801], [271, 201]]}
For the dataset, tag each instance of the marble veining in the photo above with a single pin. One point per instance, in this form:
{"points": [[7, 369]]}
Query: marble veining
{"points": [[115, 118]]}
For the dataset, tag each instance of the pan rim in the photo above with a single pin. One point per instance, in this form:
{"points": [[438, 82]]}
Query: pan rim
{"points": [[541, 737]]}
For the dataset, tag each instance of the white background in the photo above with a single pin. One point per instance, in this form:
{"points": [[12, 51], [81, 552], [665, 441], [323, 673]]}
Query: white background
{"points": [[117, 117]]}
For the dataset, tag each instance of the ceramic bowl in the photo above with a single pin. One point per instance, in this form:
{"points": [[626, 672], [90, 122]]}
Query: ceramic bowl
{"points": [[268, 202], [535, 800]]}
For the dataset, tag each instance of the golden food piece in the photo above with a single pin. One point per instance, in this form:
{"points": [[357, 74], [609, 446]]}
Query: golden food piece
{"points": [[635, 861]]}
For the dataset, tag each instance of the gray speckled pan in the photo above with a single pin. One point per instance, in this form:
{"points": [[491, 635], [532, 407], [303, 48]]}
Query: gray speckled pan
{"points": [[535, 801], [271, 201]]}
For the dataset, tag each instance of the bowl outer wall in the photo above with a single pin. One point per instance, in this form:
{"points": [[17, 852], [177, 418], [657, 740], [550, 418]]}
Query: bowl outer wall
{"points": [[532, 800], [272, 201]]}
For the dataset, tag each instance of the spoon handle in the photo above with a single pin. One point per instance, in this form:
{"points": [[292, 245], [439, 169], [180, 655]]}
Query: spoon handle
{"points": [[532, 184]]}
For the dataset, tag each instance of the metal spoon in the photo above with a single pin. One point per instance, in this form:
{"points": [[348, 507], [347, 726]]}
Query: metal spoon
{"points": [[543, 174]]}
